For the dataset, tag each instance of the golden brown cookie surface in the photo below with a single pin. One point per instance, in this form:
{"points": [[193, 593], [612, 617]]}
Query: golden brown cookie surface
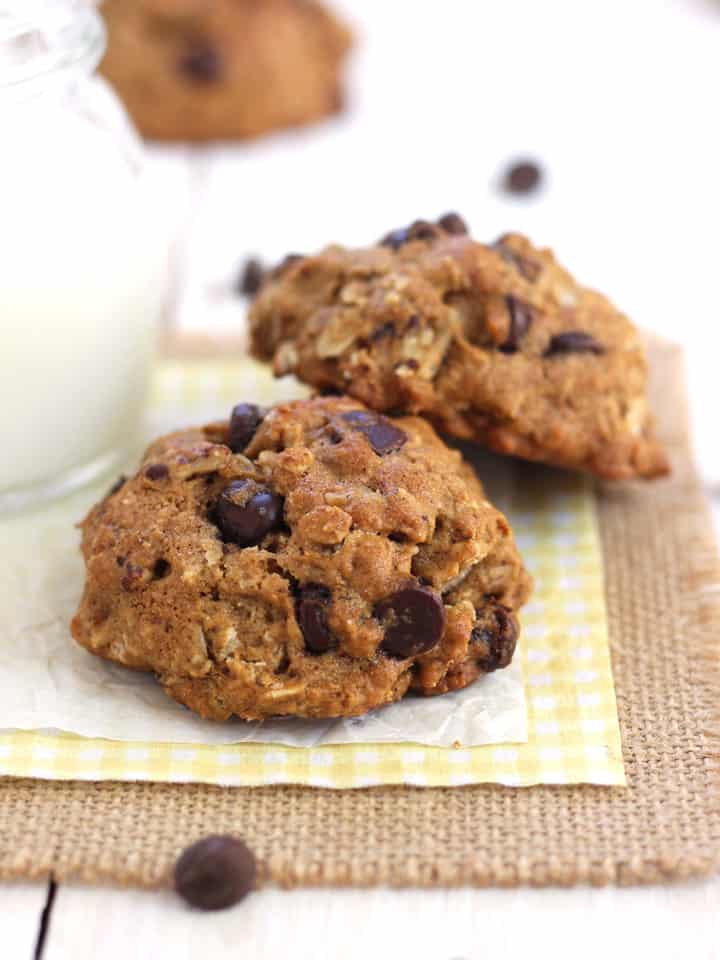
{"points": [[334, 560], [223, 69], [497, 344]]}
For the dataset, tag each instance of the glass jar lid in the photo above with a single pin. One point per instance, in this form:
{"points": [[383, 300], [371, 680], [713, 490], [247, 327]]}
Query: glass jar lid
{"points": [[41, 41]]}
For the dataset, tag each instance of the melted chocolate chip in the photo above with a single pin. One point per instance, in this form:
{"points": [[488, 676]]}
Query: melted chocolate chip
{"points": [[454, 224], [201, 62], [573, 341], [311, 610], [215, 873], [382, 434], [414, 619], [251, 277], [522, 177], [497, 641], [521, 317], [245, 512], [157, 471], [244, 421]]}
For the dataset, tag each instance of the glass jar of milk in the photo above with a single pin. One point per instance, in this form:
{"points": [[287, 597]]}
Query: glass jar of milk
{"points": [[82, 258]]}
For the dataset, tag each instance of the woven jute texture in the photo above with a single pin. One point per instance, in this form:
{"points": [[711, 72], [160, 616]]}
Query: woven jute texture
{"points": [[663, 592]]}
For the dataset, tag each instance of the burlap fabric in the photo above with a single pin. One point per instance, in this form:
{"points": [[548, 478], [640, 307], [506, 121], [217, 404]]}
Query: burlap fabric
{"points": [[663, 591]]}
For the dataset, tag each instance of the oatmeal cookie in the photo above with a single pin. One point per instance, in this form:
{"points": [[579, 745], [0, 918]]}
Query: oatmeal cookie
{"points": [[224, 69], [317, 560], [493, 343]]}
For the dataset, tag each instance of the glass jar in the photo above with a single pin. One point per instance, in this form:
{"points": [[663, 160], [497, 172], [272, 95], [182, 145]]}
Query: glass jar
{"points": [[82, 257]]}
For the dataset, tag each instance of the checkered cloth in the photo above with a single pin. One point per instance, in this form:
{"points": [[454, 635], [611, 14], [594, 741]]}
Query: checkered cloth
{"points": [[573, 733]]}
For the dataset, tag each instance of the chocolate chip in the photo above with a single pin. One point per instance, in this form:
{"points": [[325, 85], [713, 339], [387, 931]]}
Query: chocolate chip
{"points": [[418, 230], [251, 277], [382, 434], [521, 317], [573, 341], [528, 269], [215, 873], [244, 421], [157, 471], [201, 62], [454, 224], [161, 569], [523, 177], [422, 230], [245, 512], [312, 617], [414, 619], [497, 640]]}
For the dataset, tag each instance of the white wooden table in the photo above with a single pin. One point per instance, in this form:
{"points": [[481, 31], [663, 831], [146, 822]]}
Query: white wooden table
{"points": [[618, 101]]}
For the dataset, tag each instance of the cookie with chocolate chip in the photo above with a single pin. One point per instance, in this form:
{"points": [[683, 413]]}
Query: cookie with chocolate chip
{"points": [[495, 343], [224, 69], [315, 559]]}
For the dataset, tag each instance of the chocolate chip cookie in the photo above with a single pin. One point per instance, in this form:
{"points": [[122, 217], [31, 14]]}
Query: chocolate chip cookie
{"points": [[493, 343], [316, 559], [224, 69]]}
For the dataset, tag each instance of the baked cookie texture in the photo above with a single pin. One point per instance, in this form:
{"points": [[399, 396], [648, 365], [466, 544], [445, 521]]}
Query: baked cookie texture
{"points": [[316, 559], [494, 343], [224, 69]]}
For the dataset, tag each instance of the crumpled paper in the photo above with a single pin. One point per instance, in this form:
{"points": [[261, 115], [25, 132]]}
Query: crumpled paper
{"points": [[47, 682]]}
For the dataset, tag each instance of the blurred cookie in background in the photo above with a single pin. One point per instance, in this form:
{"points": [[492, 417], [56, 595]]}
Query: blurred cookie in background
{"points": [[224, 69]]}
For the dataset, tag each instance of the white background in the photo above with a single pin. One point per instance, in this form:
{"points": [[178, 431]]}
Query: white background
{"points": [[619, 103]]}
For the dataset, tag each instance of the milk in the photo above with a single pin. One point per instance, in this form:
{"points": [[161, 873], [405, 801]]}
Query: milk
{"points": [[81, 280]]}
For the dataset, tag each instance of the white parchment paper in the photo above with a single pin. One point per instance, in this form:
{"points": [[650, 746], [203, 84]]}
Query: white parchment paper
{"points": [[47, 682]]}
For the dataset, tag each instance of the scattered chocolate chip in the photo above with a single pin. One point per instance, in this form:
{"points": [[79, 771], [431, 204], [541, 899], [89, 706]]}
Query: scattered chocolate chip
{"points": [[422, 230], [418, 230], [521, 317], [215, 873], [157, 471], [454, 224], [528, 269], [120, 482], [201, 62], [312, 617], [522, 177], [251, 278], [573, 341], [382, 434], [497, 641], [246, 512], [414, 619], [161, 569], [244, 421]]}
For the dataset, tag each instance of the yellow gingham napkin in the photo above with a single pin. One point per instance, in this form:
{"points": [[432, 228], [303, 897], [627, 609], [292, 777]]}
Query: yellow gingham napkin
{"points": [[573, 732]]}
